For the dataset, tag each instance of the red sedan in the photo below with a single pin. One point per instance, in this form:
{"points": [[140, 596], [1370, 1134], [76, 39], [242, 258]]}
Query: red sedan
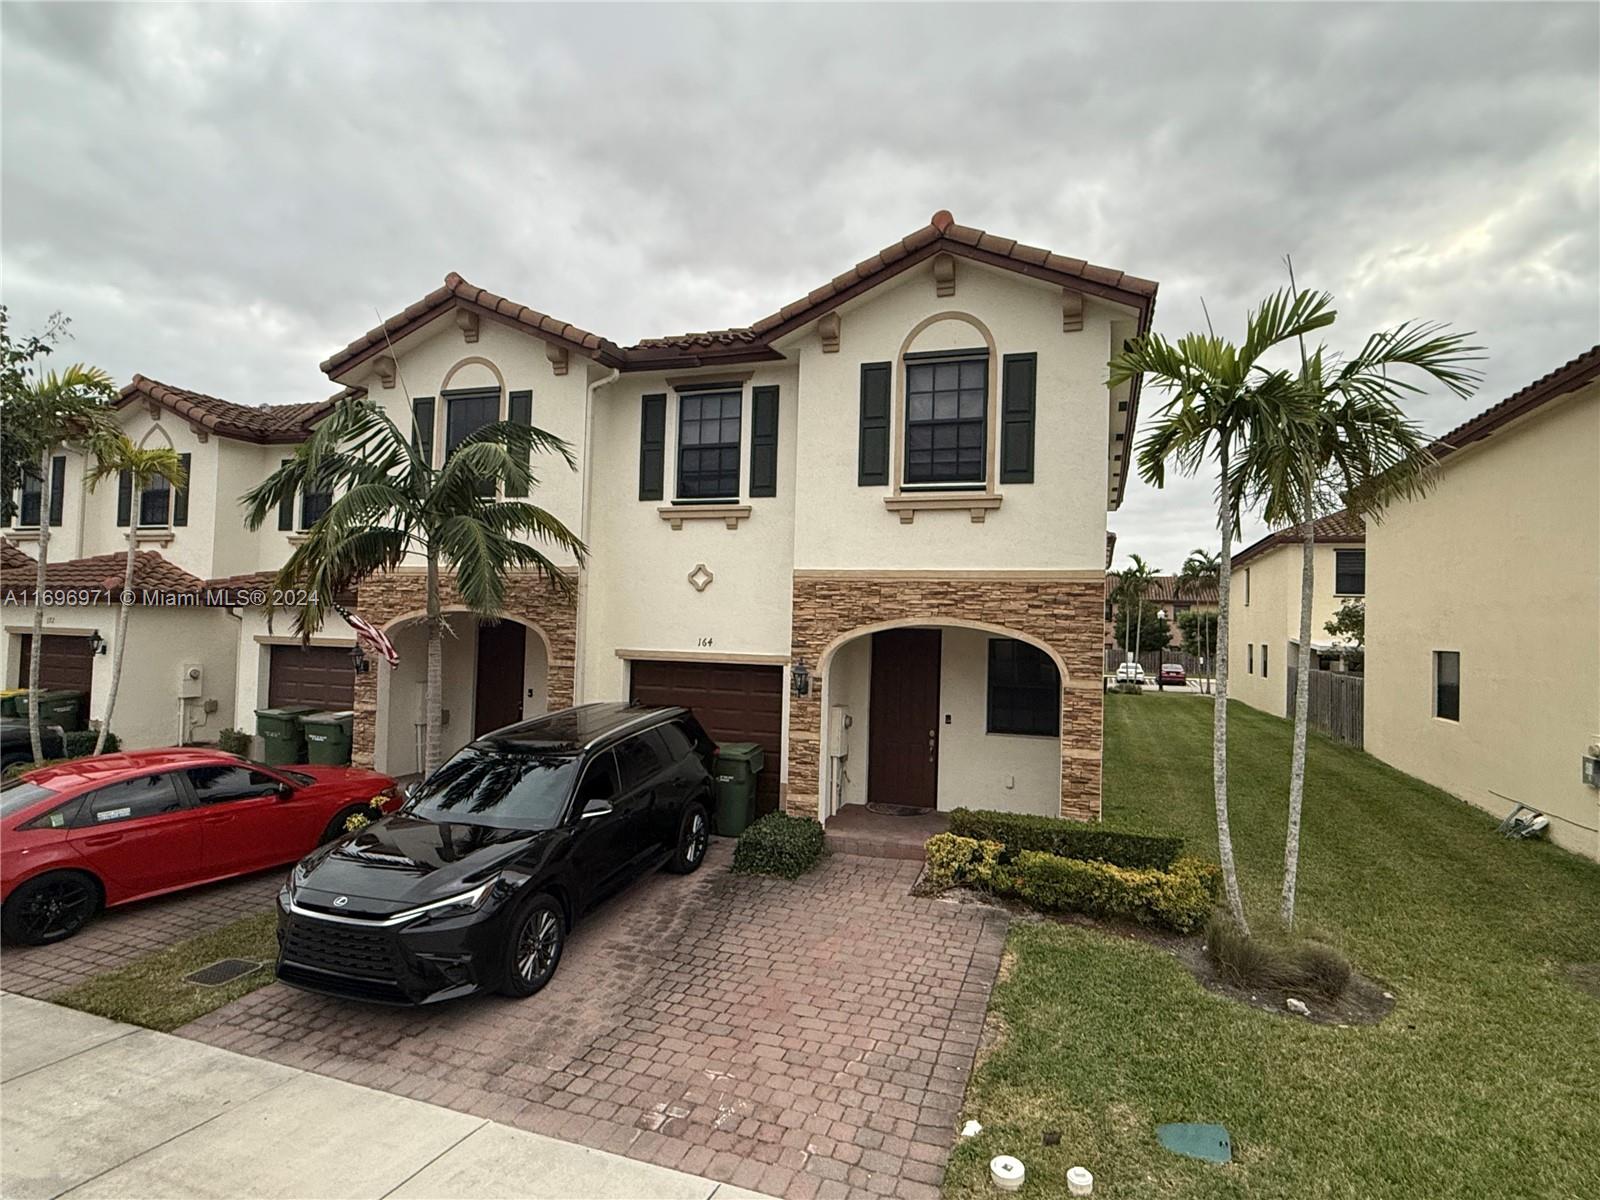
{"points": [[96, 832]]}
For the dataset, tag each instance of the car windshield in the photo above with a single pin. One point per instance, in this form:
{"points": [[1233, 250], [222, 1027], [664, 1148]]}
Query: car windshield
{"points": [[497, 787], [20, 794]]}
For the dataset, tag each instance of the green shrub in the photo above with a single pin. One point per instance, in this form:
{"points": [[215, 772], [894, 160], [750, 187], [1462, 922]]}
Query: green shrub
{"points": [[234, 741], [779, 844], [1068, 839], [79, 743], [1261, 962], [956, 861], [1179, 899]]}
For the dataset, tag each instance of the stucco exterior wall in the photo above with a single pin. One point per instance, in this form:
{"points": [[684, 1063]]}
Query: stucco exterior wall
{"points": [[1055, 522], [1272, 618], [1501, 563]]}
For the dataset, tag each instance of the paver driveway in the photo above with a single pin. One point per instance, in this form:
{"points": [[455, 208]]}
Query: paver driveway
{"points": [[120, 935], [805, 1038]]}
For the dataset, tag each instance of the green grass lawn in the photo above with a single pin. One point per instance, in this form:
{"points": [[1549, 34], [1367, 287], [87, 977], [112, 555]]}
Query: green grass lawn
{"points": [[1484, 1081], [152, 991]]}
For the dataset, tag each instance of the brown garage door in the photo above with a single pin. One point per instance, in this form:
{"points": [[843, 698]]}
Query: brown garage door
{"points": [[66, 663], [735, 702], [318, 676]]}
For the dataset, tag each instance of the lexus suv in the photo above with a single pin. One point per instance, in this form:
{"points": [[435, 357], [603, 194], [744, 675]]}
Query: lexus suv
{"points": [[474, 884]]}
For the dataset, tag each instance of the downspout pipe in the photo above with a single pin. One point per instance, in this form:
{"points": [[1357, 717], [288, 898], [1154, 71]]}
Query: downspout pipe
{"points": [[586, 465]]}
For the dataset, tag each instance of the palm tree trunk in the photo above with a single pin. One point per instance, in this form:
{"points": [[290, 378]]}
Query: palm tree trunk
{"points": [[123, 612], [433, 700], [37, 651], [1219, 720], [1302, 696]]}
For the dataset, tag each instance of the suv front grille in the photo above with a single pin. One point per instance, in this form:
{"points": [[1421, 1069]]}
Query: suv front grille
{"points": [[341, 949]]}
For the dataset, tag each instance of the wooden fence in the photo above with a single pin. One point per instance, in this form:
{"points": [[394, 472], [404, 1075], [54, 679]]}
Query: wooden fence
{"points": [[1151, 661], [1334, 704]]}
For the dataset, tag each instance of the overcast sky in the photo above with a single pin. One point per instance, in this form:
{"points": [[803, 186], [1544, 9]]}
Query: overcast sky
{"points": [[220, 196]]}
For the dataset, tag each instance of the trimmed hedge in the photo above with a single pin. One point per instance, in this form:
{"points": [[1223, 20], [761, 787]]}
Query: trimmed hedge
{"points": [[1067, 839], [234, 741], [779, 844], [80, 743], [1180, 898]]}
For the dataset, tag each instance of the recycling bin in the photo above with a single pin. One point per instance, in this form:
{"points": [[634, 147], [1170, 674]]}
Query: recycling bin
{"points": [[283, 739], [735, 768], [328, 737], [8, 701]]}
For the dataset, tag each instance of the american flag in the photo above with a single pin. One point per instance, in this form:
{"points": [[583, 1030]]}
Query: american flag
{"points": [[369, 634]]}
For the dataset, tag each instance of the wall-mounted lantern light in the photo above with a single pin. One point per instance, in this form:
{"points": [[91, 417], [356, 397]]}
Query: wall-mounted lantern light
{"points": [[97, 644], [358, 660], [800, 678]]}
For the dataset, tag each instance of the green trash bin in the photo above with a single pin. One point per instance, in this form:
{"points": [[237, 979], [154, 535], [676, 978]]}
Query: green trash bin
{"points": [[328, 737], [8, 702], [56, 707], [735, 768], [283, 740]]}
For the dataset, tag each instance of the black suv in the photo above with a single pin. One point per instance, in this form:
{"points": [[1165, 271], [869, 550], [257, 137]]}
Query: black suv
{"points": [[474, 883]]}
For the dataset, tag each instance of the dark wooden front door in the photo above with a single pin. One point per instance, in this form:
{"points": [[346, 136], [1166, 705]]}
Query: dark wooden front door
{"points": [[497, 697], [903, 718]]}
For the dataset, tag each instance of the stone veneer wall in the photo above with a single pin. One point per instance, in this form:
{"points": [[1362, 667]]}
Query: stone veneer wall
{"points": [[529, 597], [1066, 612]]}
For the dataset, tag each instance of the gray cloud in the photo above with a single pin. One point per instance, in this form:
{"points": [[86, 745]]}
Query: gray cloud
{"points": [[221, 195]]}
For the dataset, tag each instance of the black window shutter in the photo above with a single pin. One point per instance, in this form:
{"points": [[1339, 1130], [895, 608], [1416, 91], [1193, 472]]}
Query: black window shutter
{"points": [[652, 446], [1019, 381], [58, 488], [764, 441], [519, 411], [874, 456], [180, 502], [124, 499], [422, 430], [286, 507]]}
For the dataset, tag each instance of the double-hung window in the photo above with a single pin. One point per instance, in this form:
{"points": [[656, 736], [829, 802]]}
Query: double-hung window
{"points": [[946, 418], [1024, 690], [155, 504], [1350, 572], [465, 413], [30, 503], [708, 445]]}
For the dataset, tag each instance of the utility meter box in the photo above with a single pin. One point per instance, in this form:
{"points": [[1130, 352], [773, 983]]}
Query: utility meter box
{"points": [[839, 723], [190, 681]]}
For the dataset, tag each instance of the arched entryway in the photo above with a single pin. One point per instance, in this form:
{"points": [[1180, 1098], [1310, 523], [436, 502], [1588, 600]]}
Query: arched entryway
{"points": [[495, 674], [925, 715]]}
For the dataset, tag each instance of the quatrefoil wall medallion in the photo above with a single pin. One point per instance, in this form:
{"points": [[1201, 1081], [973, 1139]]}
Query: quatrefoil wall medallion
{"points": [[701, 577]]}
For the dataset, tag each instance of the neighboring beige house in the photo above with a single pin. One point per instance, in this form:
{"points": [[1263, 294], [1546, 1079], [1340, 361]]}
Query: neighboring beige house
{"points": [[1483, 622], [867, 531], [200, 577], [1264, 605]]}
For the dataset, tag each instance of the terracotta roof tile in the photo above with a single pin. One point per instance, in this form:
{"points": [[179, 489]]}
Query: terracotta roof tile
{"points": [[1343, 527], [14, 558], [1568, 377], [266, 423], [105, 572], [1164, 590]]}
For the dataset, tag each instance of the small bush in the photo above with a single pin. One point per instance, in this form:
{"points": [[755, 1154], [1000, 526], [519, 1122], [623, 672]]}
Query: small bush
{"points": [[235, 741], [79, 743], [1068, 839], [1179, 899], [1128, 688], [956, 861], [1258, 962], [779, 844]]}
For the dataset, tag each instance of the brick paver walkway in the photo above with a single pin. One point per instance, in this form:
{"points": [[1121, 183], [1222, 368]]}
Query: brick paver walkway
{"points": [[805, 1038], [118, 936]]}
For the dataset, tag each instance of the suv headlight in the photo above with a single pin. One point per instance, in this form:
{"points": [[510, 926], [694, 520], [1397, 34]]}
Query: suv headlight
{"points": [[462, 905]]}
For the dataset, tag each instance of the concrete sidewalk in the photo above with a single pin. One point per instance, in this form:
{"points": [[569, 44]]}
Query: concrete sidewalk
{"points": [[90, 1107]]}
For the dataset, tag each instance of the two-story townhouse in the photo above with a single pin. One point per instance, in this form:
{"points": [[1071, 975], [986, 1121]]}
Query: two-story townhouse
{"points": [[867, 531], [1483, 636], [1264, 605], [200, 577]]}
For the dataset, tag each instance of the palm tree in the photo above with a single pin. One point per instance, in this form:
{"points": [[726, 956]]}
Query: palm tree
{"points": [[1198, 577], [391, 502], [1136, 586], [116, 456], [1350, 440], [1219, 393], [43, 413]]}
